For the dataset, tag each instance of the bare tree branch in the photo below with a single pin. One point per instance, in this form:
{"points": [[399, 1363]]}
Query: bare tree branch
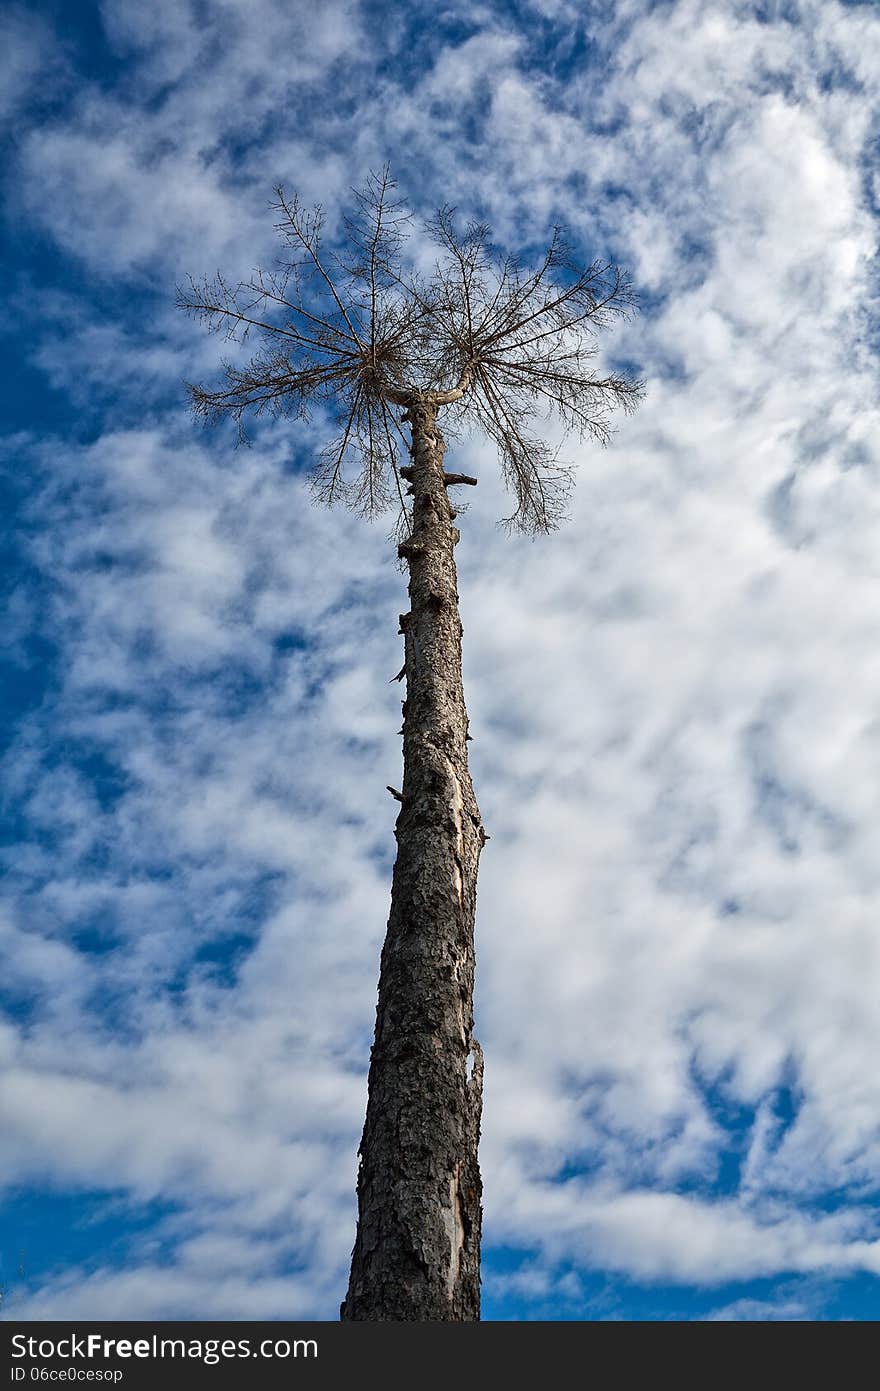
{"points": [[361, 331]]}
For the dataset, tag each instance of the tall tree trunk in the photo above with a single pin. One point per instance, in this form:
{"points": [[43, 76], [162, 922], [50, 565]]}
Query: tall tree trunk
{"points": [[417, 1252]]}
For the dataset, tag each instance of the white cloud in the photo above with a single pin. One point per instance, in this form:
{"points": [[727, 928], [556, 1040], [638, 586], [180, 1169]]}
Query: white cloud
{"points": [[673, 701], [666, 1236], [31, 62]]}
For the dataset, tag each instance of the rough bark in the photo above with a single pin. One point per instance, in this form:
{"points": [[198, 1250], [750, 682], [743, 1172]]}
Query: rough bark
{"points": [[417, 1252]]}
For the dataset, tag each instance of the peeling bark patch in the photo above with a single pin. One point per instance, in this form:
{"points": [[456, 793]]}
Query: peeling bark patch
{"points": [[460, 972], [453, 1221], [457, 805], [459, 885]]}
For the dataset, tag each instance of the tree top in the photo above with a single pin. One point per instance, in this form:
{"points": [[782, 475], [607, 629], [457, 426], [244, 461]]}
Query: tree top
{"points": [[495, 342]]}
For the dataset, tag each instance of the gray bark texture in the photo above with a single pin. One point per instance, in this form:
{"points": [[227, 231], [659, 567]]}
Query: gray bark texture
{"points": [[417, 1252]]}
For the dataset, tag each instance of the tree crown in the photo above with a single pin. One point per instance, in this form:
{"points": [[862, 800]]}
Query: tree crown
{"points": [[496, 342]]}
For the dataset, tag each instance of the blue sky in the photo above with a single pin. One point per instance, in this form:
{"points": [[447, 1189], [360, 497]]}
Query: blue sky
{"points": [[674, 699]]}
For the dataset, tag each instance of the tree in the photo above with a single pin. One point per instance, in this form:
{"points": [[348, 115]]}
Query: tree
{"points": [[491, 343]]}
